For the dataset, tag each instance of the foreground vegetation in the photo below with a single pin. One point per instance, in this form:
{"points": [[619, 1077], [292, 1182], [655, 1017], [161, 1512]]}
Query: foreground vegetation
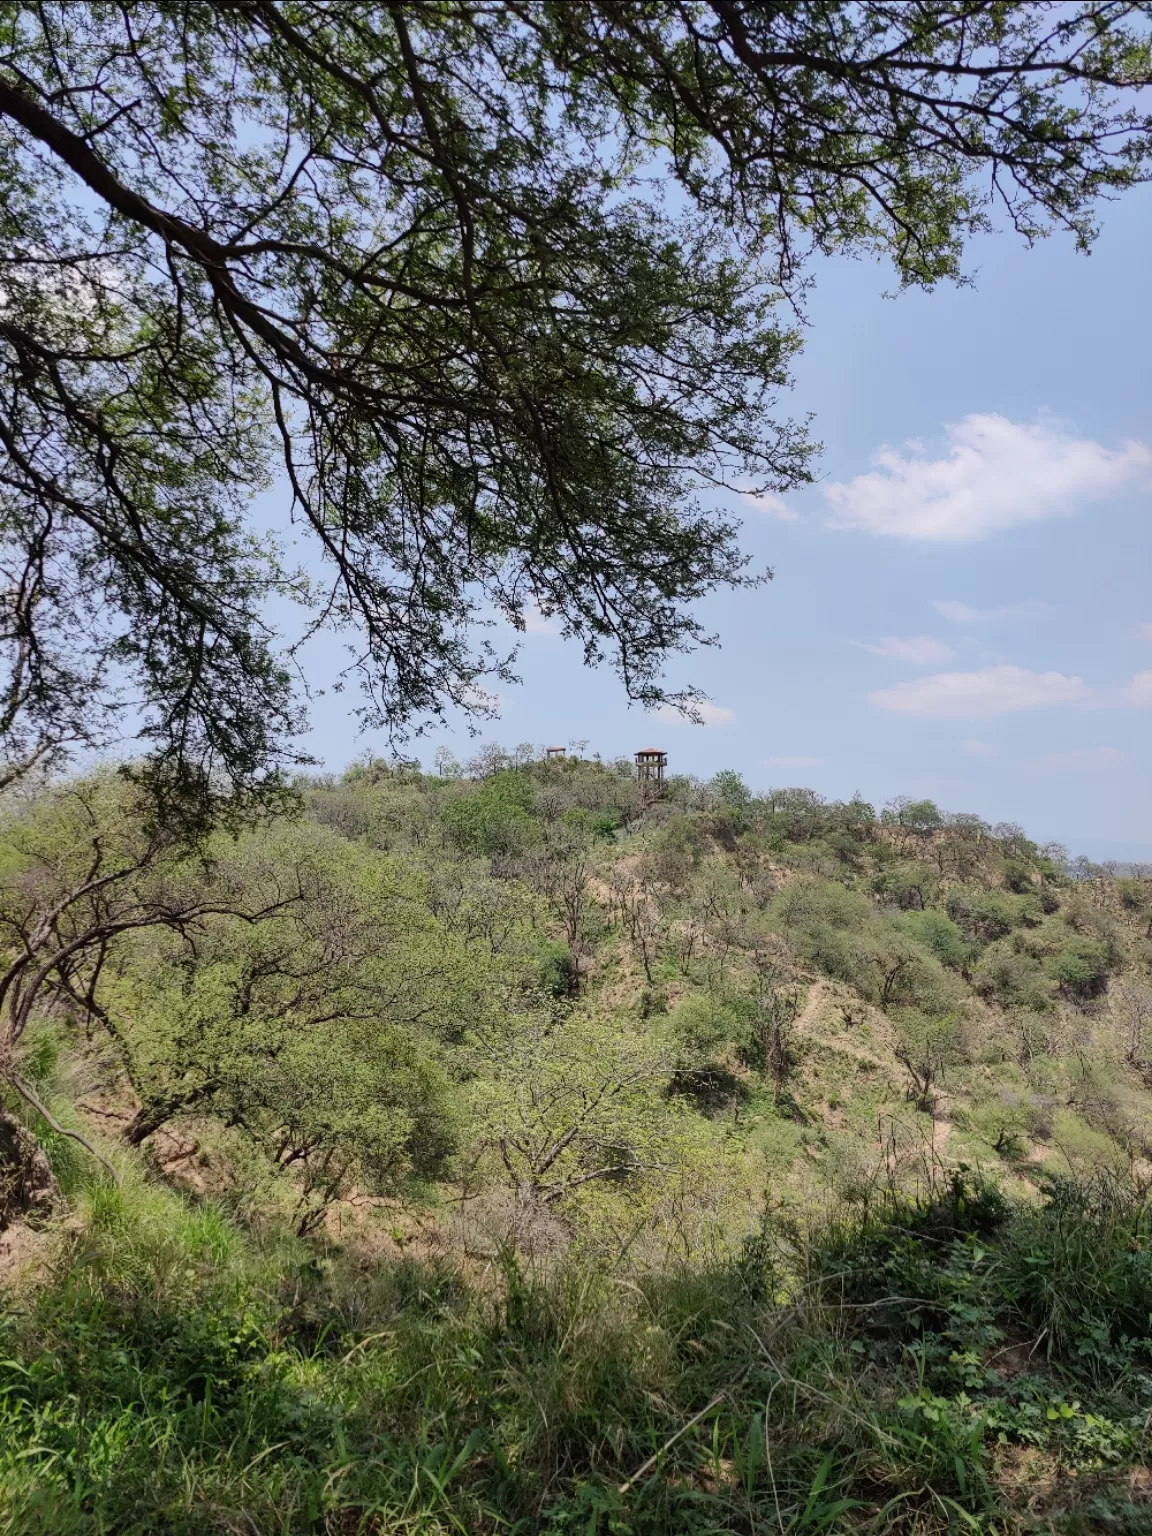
{"points": [[500, 1150], [932, 1366]]}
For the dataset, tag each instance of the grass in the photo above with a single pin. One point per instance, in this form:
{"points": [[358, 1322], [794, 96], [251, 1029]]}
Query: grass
{"points": [[947, 1364]]}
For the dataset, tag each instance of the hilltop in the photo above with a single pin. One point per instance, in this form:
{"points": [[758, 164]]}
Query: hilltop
{"points": [[836, 982]]}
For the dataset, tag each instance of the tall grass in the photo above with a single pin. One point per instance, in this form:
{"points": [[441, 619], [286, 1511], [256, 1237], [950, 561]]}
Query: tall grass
{"points": [[887, 1372]]}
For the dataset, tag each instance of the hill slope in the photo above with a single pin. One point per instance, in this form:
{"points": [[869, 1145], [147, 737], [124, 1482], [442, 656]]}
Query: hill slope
{"points": [[510, 1151]]}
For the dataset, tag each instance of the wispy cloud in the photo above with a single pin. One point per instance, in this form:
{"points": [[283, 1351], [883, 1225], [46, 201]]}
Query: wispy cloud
{"points": [[994, 474], [1083, 759], [962, 613], [771, 506], [483, 700], [536, 624], [1144, 631], [790, 762], [977, 695], [922, 650], [975, 748], [710, 714], [1004, 690]]}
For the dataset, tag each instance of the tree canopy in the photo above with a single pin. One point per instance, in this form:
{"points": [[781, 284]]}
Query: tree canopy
{"points": [[496, 289]]}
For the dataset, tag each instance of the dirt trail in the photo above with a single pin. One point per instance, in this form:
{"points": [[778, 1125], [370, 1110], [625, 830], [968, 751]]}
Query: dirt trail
{"points": [[845, 1041], [816, 994]]}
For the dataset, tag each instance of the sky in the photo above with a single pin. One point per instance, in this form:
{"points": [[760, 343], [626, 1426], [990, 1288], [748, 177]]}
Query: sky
{"points": [[961, 606]]}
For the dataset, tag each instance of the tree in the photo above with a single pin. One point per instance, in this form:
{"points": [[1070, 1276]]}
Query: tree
{"points": [[770, 1044], [358, 1102], [494, 816], [912, 821], [729, 791], [1136, 902], [562, 1105], [212, 1016], [561, 870], [1031, 1032], [288, 983], [1080, 967], [925, 1049], [85, 866], [635, 908], [1133, 1000], [447, 765], [1009, 1120], [938, 933], [899, 968], [408, 257]]}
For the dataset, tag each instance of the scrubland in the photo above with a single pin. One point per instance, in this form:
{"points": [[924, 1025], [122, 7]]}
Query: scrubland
{"points": [[503, 1149]]}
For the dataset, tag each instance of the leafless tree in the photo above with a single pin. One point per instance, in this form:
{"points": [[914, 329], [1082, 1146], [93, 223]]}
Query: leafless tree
{"points": [[635, 908], [1133, 1000]]}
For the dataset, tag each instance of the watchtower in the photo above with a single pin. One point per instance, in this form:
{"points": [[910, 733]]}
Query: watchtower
{"points": [[551, 754], [650, 765]]}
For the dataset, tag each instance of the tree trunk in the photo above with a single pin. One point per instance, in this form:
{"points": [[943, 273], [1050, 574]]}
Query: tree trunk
{"points": [[28, 1187], [149, 1118]]}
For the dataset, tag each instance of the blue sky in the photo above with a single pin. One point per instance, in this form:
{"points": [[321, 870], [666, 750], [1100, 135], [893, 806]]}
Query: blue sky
{"points": [[968, 617]]}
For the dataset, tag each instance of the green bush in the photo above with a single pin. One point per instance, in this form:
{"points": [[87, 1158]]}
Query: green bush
{"points": [[808, 903], [939, 934], [494, 816], [1015, 980], [1079, 1269], [1080, 969], [983, 916], [556, 969], [909, 886], [705, 1022]]}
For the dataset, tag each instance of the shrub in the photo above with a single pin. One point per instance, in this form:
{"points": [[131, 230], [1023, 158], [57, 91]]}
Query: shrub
{"points": [[557, 970], [1080, 1269], [1015, 980], [820, 904], [1018, 877], [494, 817], [1080, 969], [909, 886], [939, 934], [704, 1022], [983, 916]]}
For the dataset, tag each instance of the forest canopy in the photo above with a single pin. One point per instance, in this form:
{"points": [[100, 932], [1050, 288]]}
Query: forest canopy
{"points": [[489, 294]]}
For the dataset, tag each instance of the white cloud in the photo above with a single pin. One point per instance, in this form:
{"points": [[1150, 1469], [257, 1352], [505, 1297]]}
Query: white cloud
{"points": [[791, 762], [771, 506], [715, 714], [975, 748], [710, 714], [995, 474], [923, 650], [961, 613], [483, 700], [1082, 759], [975, 695], [536, 624], [1138, 693]]}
